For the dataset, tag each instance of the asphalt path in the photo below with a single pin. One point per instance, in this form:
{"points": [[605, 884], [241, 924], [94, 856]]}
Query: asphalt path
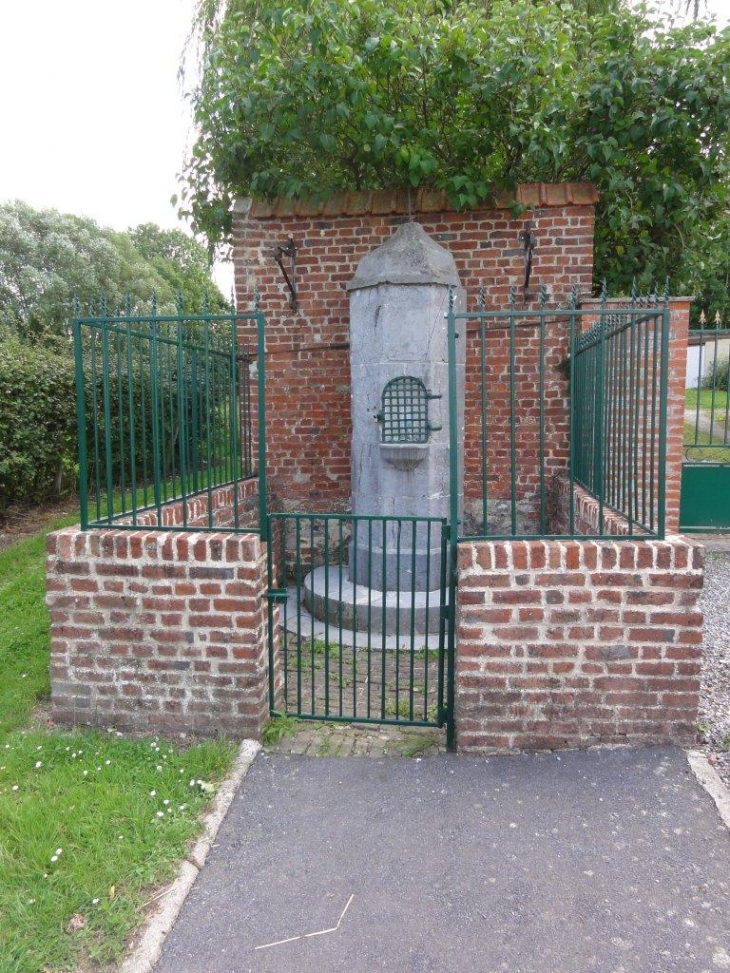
{"points": [[608, 861]]}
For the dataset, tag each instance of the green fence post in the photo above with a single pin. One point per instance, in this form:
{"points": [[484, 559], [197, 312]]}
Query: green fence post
{"points": [[453, 527], [571, 411], [81, 416], [598, 420], [261, 377], [663, 392], [233, 418]]}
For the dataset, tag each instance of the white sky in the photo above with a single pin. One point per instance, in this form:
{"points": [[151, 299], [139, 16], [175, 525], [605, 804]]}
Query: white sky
{"points": [[92, 119]]}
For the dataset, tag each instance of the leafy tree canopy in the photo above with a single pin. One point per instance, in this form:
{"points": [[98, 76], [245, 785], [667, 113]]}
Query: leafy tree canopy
{"points": [[314, 96], [46, 257]]}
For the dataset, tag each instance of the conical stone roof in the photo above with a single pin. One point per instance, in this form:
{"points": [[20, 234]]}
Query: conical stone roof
{"points": [[410, 256]]}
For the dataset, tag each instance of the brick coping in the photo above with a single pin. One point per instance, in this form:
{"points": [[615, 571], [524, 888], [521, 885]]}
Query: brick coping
{"points": [[384, 202]]}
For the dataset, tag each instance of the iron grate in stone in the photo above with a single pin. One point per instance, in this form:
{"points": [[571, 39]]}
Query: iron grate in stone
{"points": [[405, 411]]}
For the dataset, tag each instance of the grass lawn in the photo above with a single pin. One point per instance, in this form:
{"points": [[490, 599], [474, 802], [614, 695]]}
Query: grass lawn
{"points": [[90, 823], [690, 401], [716, 453]]}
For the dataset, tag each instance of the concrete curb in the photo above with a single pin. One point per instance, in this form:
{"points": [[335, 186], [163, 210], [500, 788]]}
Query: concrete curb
{"points": [[147, 951], [712, 783]]}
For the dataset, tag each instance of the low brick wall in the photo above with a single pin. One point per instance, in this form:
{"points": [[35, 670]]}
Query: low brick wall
{"points": [[219, 509], [577, 643], [158, 631], [559, 643], [586, 513]]}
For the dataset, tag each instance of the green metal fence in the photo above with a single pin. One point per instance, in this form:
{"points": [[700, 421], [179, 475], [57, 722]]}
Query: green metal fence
{"points": [[363, 631], [707, 403], [164, 412], [565, 397], [705, 498], [619, 395]]}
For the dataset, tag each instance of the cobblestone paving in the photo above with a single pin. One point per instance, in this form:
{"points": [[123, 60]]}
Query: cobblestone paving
{"points": [[333, 680], [315, 739]]}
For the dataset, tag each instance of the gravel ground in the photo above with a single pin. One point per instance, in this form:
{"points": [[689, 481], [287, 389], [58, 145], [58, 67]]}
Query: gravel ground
{"points": [[715, 695]]}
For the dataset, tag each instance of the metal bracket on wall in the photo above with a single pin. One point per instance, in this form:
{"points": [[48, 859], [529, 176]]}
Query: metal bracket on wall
{"points": [[289, 251], [528, 245]]}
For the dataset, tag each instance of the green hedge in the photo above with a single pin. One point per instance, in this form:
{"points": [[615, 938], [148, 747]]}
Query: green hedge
{"points": [[38, 423], [37, 420]]}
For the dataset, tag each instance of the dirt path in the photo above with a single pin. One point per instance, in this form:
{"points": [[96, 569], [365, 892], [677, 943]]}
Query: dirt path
{"points": [[19, 521], [704, 422]]}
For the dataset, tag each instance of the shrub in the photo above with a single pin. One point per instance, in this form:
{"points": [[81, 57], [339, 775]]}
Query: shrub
{"points": [[38, 417], [720, 379], [37, 420]]}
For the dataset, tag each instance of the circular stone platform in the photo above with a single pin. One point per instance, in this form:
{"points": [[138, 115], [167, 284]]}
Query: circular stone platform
{"points": [[328, 593]]}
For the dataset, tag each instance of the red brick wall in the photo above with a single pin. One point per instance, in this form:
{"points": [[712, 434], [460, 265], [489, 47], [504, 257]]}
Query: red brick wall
{"points": [[194, 511], [577, 643], [307, 352], [158, 631], [586, 513]]}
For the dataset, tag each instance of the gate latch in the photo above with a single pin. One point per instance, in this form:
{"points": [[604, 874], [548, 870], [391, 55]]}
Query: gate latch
{"points": [[277, 594]]}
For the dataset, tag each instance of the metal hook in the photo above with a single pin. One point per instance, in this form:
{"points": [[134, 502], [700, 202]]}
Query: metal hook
{"points": [[528, 241], [289, 251]]}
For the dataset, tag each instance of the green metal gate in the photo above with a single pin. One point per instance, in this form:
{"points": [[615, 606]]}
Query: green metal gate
{"points": [[705, 497], [350, 636]]}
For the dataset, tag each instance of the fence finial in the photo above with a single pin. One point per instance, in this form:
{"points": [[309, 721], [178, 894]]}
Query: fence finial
{"points": [[604, 291], [153, 304], [206, 301], [513, 297], [666, 290], [573, 301], [179, 303], [256, 300], [75, 305], [451, 299], [543, 295], [482, 297], [103, 309], [703, 318], [128, 304], [634, 290], [718, 319], [233, 298]]}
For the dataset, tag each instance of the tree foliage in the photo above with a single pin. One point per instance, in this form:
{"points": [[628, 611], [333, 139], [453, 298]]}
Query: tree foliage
{"points": [[46, 257], [181, 261], [315, 96]]}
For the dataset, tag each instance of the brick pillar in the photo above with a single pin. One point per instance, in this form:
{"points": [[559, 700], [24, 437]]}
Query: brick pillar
{"points": [[158, 631], [678, 331]]}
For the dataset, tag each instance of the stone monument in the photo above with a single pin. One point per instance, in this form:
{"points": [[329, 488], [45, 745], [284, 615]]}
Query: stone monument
{"points": [[400, 430], [400, 404]]}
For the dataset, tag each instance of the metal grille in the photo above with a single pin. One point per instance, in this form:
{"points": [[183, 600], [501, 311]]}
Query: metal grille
{"points": [[362, 625], [405, 411]]}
